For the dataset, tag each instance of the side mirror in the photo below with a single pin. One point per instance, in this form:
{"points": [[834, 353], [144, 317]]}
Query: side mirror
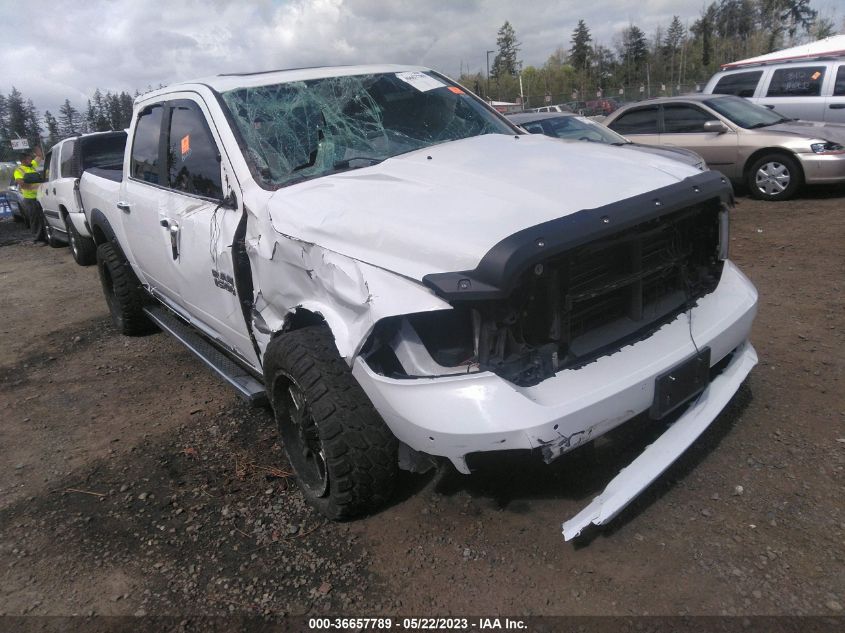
{"points": [[715, 126], [33, 178]]}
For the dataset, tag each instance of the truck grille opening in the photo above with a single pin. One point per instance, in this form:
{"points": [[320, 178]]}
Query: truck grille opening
{"points": [[568, 310], [592, 300]]}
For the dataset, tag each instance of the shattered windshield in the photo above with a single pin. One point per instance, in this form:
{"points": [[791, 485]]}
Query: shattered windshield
{"points": [[300, 130]]}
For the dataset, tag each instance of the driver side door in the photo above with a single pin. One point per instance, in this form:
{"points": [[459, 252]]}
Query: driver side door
{"points": [[683, 126]]}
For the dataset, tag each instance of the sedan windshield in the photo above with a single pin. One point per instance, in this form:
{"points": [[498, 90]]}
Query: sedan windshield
{"points": [[744, 113], [575, 128], [306, 129]]}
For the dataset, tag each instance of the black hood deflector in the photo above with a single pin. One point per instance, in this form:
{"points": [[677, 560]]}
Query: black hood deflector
{"points": [[500, 268]]}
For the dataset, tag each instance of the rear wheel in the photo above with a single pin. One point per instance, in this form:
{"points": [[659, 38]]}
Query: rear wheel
{"points": [[344, 456], [123, 291], [84, 249], [774, 177], [52, 238]]}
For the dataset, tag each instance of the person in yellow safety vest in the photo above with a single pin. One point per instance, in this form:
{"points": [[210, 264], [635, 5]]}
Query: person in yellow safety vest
{"points": [[29, 191]]}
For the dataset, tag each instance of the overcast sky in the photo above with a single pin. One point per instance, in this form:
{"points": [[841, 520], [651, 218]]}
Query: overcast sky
{"points": [[56, 50]]}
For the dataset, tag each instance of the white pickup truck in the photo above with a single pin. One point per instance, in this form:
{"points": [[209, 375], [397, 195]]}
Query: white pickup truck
{"points": [[59, 193], [407, 277]]}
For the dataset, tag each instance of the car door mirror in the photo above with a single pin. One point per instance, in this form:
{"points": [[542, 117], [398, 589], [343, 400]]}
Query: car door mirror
{"points": [[715, 126], [32, 178]]}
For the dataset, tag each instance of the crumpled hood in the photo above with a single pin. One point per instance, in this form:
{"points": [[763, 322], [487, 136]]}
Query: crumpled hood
{"points": [[440, 209], [811, 129]]}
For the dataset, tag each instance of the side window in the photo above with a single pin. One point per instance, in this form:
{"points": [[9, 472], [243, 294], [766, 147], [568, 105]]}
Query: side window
{"points": [[193, 162], [67, 159], [805, 81], [683, 119], [739, 84], [642, 121], [144, 162], [839, 86]]}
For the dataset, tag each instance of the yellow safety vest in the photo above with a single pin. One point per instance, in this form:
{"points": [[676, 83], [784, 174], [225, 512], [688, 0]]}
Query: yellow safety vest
{"points": [[28, 190]]}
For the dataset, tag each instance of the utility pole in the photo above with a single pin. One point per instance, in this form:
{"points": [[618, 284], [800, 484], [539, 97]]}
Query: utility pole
{"points": [[488, 74]]}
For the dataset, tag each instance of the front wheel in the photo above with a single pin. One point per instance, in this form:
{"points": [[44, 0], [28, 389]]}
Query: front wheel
{"points": [[344, 456], [774, 177]]}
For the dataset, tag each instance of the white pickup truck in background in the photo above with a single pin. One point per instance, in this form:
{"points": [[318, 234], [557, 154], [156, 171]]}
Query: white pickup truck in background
{"points": [[59, 193], [409, 279]]}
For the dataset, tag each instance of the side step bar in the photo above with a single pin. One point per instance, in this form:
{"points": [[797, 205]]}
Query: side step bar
{"points": [[247, 386]]}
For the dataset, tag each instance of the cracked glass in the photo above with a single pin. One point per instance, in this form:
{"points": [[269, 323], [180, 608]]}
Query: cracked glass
{"points": [[300, 130]]}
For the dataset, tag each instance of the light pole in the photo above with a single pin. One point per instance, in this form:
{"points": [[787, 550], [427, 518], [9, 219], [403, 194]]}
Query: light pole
{"points": [[488, 74]]}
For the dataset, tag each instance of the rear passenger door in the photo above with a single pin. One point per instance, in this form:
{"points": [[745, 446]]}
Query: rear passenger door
{"points": [[834, 111], [143, 203], [640, 125], [796, 91]]}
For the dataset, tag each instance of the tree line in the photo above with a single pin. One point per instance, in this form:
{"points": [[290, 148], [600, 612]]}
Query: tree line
{"points": [[634, 65], [20, 119]]}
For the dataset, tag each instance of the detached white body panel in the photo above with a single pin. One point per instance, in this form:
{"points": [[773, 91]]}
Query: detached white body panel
{"points": [[636, 477]]}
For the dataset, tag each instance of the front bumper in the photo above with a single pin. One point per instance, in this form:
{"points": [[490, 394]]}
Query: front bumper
{"points": [[823, 168], [454, 416], [635, 477]]}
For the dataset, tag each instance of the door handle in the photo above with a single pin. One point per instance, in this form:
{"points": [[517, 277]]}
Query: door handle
{"points": [[173, 230], [123, 206], [837, 106], [54, 191]]}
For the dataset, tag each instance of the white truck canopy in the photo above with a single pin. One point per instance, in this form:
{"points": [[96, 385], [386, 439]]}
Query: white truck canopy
{"points": [[829, 46]]}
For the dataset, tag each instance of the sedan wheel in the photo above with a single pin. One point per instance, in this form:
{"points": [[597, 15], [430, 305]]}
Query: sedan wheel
{"points": [[774, 177]]}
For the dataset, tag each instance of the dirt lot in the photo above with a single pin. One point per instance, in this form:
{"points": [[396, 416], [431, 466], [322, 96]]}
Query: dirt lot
{"points": [[133, 481]]}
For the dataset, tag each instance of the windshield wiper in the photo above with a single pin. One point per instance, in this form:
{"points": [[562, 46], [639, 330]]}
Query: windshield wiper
{"points": [[346, 162], [621, 143], [759, 125]]}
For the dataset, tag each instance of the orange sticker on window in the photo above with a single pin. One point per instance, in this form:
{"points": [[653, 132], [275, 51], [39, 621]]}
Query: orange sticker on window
{"points": [[186, 144], [456, 90], [815, 75]]}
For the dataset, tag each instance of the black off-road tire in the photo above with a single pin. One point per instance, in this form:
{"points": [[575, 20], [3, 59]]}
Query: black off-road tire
{"points": [[779, 166], [359, 452], [123, 291], [83, 249]]}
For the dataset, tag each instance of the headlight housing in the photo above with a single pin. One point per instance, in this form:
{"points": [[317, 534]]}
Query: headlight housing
{"points": [[827, 147]]}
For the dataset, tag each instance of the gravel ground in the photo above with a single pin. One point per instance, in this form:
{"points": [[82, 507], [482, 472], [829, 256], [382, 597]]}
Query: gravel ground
{"points": [[136, 483]]}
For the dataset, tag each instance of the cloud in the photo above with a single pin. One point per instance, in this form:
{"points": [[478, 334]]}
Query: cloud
{"points": [[127, 45]]}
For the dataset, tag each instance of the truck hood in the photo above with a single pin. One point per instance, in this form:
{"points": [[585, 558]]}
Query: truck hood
{"points": [[440, 209]]}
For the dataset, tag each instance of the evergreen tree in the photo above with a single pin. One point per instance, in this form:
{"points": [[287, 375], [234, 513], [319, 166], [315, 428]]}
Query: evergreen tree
{"points": [[634, 52], [33, 124], [703, 28], [17, 114], [579, 53], [69, 120], [672, 45], [505, 62], [52, 129]]}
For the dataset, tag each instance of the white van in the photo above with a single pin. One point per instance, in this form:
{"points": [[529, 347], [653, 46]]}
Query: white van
{"points": [[809, 89]]}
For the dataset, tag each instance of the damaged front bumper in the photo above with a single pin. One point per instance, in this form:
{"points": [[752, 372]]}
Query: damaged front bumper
{"points": [[655, 459], [454, 416]]}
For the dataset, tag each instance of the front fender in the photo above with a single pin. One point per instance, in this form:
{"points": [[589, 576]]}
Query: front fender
{"points": [[351, 296]]}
